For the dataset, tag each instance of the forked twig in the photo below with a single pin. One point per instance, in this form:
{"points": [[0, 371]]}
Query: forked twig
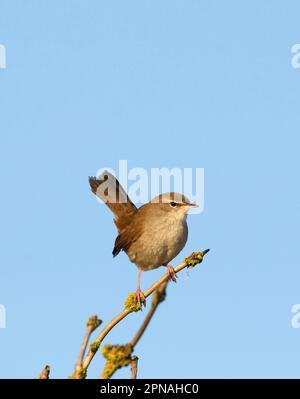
{"points": [[80, 372], [91, 325]]}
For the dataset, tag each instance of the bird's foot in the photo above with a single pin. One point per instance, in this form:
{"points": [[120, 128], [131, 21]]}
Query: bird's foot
{"points": [[172, 273], [139, 298]]}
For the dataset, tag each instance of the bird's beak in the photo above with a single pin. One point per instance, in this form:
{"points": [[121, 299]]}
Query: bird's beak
{"points": [[190, 206]]}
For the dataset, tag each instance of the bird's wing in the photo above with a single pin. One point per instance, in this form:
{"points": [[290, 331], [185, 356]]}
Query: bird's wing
{"points": [[110, 191], [130, 233]]}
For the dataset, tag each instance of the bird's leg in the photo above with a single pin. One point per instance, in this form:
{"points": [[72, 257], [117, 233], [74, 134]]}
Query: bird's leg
{"points": [[139, 295], [171, 271]]}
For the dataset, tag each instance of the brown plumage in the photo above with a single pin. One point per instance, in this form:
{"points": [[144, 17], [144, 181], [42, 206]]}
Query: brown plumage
{"points": [[152, 235], [109, 190]]}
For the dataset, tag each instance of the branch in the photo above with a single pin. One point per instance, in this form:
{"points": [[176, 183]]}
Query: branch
{"points": [[158, 297], [134, 363], [118, 356], [45, 373], [91, 325], [131, 306]]}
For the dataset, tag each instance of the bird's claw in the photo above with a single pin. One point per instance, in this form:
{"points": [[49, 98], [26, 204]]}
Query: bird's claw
{"points": [[139, 298], [172, 274]]}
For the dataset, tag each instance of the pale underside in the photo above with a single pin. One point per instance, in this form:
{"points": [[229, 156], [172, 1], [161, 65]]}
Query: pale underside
{"points": [[159, 243]]}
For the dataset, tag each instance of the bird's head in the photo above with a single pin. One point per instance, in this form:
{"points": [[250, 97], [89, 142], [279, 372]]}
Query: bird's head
{"points": [[174, 204]]}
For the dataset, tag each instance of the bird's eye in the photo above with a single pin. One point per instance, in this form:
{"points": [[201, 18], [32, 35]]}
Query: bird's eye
{"points": [[173, 204]]}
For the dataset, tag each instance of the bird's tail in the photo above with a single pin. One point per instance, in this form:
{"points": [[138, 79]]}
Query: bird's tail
{"points": [[110, 191]]}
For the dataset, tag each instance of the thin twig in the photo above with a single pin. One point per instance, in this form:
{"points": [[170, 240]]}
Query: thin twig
{"points": [[134, 363], [118, 356], [192, 260], [91, 325], [102, 335], [155, 302], [45, 373]]}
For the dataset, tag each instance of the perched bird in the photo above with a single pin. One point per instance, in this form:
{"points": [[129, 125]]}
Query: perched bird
{"points": [[151, 235]]}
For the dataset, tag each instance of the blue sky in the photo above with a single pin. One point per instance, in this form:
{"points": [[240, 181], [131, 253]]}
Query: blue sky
{"points": [[161, 84]]}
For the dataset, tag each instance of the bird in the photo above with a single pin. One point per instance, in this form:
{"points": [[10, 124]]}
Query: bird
{"points": [[151, 235]]}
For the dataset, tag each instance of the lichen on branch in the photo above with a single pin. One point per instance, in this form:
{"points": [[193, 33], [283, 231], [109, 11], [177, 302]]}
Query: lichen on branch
{"points": [[120, 355]]}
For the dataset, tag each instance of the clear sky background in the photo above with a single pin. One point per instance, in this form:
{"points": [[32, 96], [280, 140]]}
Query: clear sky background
{"points": [[161, 84]]}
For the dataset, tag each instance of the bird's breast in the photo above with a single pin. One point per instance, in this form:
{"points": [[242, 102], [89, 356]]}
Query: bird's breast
{"points": [[160, 242]]}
